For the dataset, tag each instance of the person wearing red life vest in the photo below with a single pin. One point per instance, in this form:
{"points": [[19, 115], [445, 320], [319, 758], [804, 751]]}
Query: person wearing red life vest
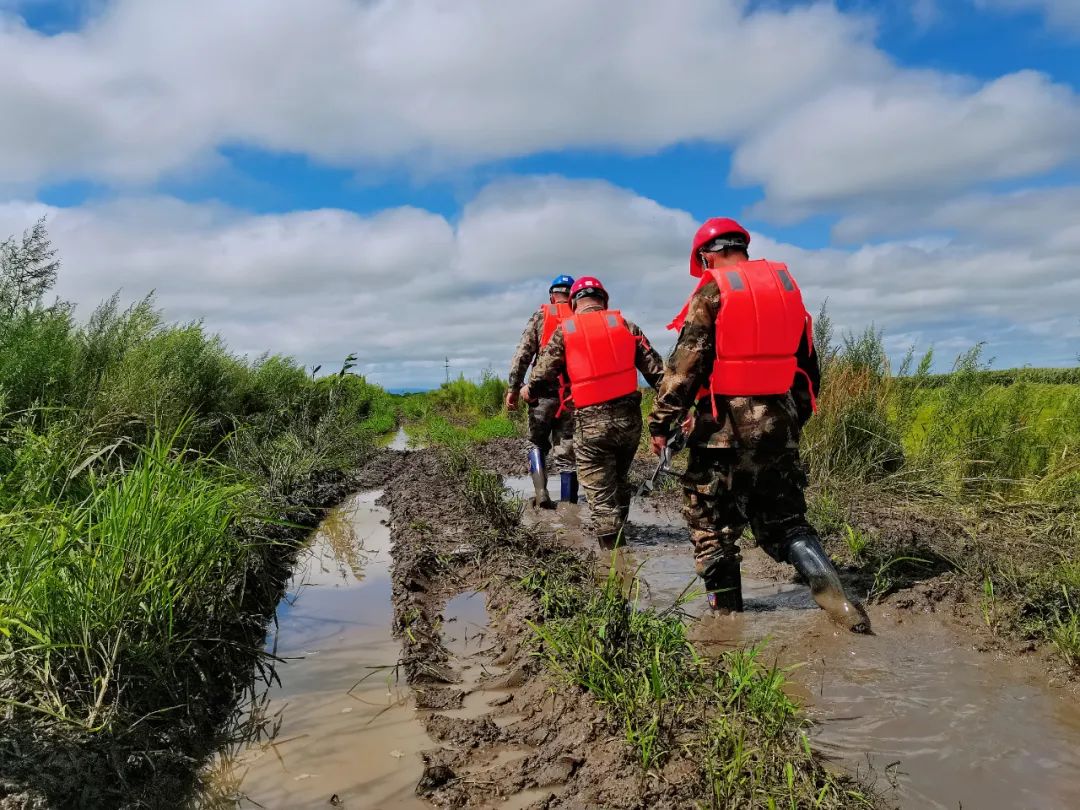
{"points": [[551, 413], [744, 362], [601, 353]]}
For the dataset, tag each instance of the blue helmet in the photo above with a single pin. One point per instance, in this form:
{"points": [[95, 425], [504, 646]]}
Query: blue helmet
{"points": [[561, 282]]}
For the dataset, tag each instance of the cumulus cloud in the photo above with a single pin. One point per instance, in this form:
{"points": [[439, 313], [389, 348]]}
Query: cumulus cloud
{"points": [[918, 137], [820, 116], [1043, 218], [1059, 13], [406, 288], [147, 88]]}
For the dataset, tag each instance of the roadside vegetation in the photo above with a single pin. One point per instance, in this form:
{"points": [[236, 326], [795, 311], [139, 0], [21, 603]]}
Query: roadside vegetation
{"points": [[153, 486], [461, 412], [976, 471]]}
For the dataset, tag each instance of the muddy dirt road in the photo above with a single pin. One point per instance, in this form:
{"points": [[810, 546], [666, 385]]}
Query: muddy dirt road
{"points": [[475, 721], [933, 722]]}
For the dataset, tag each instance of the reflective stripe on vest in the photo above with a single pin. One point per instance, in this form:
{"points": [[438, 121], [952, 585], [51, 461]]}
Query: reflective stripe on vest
{"points": [[554, 314], [761, 322], [600, 354]]}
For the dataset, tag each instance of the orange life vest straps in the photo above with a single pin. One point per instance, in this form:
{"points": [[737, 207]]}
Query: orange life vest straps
{"points": [[554, 314], [600, 357]]}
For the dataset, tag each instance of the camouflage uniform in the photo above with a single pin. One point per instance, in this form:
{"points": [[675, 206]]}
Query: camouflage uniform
{"points": [[607, 434], [548, 428], [744, 464]]}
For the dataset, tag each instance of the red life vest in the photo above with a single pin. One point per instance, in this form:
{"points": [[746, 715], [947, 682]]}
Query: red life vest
{"points": [[554, 314], [762, 321], [600, 355]]}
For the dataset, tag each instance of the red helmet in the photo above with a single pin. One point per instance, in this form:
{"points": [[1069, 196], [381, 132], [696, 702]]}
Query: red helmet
{"points": [[587, 285], [717, 226]]}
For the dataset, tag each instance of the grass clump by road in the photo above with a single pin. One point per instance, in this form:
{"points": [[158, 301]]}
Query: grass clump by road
{"points": [[151, 483], [731, 715]]}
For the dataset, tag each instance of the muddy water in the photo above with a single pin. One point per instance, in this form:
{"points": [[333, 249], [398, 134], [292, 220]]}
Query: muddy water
{"points": [[930, 720], [933, 722], [347, 734], [400, 440]]}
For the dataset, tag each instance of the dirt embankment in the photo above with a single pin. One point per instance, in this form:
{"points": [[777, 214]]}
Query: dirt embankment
{"points": [[44, 764], [530, 737]]}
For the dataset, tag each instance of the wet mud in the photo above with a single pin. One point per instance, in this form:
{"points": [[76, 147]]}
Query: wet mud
{"points": [[410, 681], [918, 709]]}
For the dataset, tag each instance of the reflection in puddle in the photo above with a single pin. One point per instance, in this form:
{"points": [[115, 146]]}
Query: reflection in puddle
{"points": [[519, 801], [465, 632], [345, 725], [400, 441]]}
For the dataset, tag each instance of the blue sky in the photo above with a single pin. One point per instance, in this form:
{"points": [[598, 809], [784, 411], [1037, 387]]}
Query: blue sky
{"points": [[399, 179]]}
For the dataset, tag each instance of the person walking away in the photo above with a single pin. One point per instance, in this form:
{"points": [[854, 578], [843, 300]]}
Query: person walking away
{"points": [[601, 353], [551, 414], [745, 361]]}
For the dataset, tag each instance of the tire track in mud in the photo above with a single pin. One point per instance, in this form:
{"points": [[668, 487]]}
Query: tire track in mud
{"points": [[537, 742]]}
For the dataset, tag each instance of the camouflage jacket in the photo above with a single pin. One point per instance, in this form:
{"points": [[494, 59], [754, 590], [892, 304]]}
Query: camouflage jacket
{"points": [[739, 420], [552, 361], [527, 349]]}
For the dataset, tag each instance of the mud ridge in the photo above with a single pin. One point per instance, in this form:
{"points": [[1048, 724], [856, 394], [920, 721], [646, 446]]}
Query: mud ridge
{"points": [[539, 741]]}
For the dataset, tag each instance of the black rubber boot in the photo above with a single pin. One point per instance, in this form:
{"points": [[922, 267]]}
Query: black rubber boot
{"points": [[724, 585], [810, 560]]}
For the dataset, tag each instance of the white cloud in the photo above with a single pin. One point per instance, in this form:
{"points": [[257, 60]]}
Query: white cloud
{"points": [[1059, 13], [918, 137], [1043, 219], [820, 116], [150, 88], [405, 288]]}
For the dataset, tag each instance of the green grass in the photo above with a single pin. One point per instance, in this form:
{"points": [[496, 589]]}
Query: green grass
{"points": [[992, 458], [461, 412], [118, 588], [148, 482], [731, 716]]}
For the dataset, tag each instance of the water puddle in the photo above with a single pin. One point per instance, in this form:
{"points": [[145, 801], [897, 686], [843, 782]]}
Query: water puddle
{"points": [[936, 723], [345, 732], [400, 441], [519, 801], [574, 518], [488, 688], [944, 724]]}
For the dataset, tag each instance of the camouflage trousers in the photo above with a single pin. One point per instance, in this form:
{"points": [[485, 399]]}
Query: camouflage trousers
{"points": [[606, 438], [726, 489], [552, 432]]}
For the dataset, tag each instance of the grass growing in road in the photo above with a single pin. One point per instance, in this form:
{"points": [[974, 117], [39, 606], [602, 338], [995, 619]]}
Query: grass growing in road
{"points": [[732, 715]]}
